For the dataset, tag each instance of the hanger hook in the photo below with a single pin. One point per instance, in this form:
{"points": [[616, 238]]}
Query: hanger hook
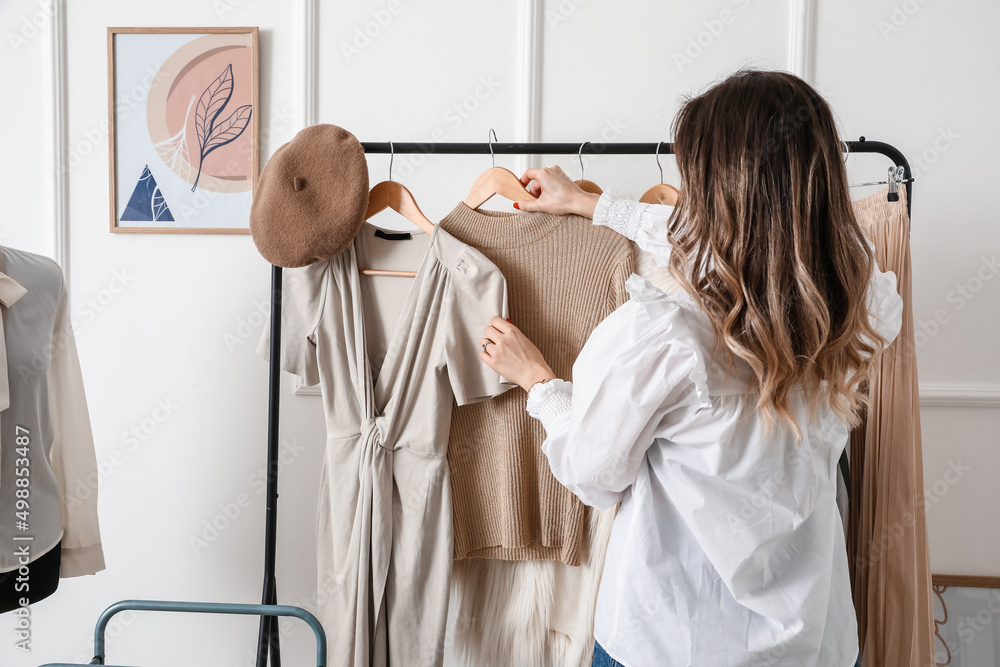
{"points": [[658, 161], [493, 137], [580, 156], [392, 154]]}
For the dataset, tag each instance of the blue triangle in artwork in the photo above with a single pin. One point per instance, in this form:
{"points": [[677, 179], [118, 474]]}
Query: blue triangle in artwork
{"points": [[147, 203]]}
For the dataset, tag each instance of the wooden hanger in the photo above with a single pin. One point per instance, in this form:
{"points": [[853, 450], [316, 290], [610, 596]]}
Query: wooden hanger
{"points": [[661, 193], [496, 181], [585, 185], [394, 195]]}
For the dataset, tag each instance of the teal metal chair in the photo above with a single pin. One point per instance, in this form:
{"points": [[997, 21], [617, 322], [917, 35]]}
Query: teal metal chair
{"points": [[199, 608]]}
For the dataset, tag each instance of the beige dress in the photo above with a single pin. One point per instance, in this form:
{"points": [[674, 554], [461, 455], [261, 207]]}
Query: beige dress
{"points": [[384, 535]]}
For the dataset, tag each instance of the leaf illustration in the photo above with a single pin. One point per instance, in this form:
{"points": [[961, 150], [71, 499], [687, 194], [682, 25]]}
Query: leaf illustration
{"points": [[211, 132], [174, 151], [211, 103], [159, 206], [228, 130]]}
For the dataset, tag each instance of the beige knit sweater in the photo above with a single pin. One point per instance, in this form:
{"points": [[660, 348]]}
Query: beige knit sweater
{"points": [[564, 275]]}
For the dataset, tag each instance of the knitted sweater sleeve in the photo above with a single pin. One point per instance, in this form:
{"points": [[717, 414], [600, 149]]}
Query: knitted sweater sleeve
{"points": [[617, 294]]}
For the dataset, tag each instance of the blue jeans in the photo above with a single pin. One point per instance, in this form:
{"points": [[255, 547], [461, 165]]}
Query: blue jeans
{"points": [[858, 663], [602, 659]]}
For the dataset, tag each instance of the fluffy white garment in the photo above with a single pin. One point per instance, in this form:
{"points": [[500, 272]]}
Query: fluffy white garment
{"points": [[530, 613]]}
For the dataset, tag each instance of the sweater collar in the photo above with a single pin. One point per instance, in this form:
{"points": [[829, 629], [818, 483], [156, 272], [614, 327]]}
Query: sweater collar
{"points": [[483, 228]]}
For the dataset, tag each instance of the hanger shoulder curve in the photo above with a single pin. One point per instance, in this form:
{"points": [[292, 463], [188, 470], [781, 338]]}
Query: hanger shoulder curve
{"points": [[590, 186], [660, 194], [496, 181], [395, 195]]}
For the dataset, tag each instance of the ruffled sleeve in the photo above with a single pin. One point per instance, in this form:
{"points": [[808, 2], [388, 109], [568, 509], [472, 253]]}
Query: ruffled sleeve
{"points": [[640, 368], [646, 224], [885, 306]]}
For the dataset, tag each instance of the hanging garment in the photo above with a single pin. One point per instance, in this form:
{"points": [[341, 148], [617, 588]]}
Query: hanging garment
{"points": [[528, 554], [891, 560], [384, 538], [564, 277], [45, 435], [727, 549], [535, 612]]}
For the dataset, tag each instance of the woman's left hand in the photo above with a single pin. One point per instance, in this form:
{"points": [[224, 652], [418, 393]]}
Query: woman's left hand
{"points": [[512, 355]]}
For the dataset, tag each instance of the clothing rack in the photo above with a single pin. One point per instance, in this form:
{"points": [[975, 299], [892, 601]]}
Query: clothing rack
{"points": [[268, 642]]}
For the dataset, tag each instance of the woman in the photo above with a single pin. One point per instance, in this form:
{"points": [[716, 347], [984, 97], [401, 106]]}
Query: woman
{"points": [[716, 416]]}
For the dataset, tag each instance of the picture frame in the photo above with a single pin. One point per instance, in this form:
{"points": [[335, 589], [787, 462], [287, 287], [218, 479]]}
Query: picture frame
{"points": [[183, 129]]}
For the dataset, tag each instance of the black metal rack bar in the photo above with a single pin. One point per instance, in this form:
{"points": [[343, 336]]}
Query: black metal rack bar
{"points": [[862, 145], [268, 638]]}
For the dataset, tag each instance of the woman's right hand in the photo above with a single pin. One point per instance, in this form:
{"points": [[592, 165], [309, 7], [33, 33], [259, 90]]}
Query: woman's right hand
{"points": [[556, 193]]}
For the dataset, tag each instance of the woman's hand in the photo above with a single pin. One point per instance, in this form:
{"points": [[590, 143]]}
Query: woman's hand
{"points": [[557, 193], [513, 356]]}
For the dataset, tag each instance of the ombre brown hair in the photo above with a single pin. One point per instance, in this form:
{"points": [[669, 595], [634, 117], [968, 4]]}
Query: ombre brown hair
{"points": [[765, 238]]}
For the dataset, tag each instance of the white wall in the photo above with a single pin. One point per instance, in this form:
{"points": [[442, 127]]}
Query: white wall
{"points": [[607, 70]]}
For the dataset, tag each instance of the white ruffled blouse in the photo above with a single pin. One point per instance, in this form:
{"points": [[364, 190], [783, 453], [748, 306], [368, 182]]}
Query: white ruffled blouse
{"points": [[728, 548]]}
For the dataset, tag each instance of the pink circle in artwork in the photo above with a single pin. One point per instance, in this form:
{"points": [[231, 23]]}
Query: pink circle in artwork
{"points": [[204, 97]]}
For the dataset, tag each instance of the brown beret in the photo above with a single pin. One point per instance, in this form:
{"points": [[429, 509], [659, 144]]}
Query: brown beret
{"points": [[311, 197]]}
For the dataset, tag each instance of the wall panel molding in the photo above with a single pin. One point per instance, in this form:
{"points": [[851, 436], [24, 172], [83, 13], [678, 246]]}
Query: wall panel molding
{"points": [[960, 396], [802, 38], [59, 138], [529, 104], [308, 34]]}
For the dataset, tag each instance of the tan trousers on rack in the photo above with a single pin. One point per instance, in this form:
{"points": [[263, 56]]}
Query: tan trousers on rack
{"points": [[887, 545]]}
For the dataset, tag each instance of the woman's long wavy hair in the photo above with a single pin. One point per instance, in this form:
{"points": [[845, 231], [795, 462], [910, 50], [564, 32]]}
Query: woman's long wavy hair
{"points": [[765, 238]]}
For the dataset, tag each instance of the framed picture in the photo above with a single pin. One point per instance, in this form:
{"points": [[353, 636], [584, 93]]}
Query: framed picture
{"points": [[183, 129]]}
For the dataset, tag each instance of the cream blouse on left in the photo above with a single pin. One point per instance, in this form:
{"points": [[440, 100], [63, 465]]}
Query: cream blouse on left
{"points": [[47, 457], [728, 549]]}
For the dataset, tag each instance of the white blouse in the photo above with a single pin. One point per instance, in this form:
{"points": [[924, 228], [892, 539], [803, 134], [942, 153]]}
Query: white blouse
{"points": [[728, 548]]}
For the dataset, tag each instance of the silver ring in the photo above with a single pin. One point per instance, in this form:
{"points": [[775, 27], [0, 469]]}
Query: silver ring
{"points": [[485, 344]]}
